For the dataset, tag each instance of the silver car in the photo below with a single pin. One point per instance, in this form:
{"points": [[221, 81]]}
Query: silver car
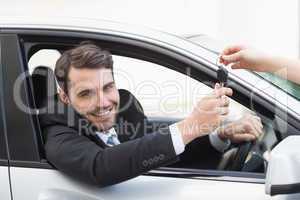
{"points": [[142, 55]]}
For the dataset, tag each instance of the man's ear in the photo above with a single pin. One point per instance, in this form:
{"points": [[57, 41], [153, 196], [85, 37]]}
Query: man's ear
{"points": [[63, 96]]}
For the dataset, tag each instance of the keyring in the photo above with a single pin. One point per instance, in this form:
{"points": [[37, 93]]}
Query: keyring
{"points": [[218, 61]]}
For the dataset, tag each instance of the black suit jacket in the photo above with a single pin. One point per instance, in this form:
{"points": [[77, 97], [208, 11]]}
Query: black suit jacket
{"points": [[72, 146]]}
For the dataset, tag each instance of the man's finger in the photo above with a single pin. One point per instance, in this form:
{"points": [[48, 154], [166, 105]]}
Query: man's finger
{"points": [[258, 119], [224, 101], [217, 86], [223, 110], [257, 125], [252, 128], [233, 129], [223, 91], [246, 137]]}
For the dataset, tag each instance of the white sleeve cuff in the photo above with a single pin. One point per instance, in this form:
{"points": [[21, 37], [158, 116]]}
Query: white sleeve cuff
{"points": [[217, 143], [177, 140]]}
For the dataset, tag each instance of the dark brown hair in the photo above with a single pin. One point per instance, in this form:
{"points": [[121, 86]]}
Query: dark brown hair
{"points": [[85, 55]]}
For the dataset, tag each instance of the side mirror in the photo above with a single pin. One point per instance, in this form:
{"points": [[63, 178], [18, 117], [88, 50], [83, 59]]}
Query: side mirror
{"points": [[283, 173]]}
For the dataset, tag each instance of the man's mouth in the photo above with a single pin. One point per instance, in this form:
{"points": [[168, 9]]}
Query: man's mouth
{"points": [[103, 113]]}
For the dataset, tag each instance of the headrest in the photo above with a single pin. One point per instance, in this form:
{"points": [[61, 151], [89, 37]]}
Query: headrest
{"points": [[44, 85]]}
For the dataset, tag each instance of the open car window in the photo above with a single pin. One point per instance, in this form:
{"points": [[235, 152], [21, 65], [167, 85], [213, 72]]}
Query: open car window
{"points": [[163, 92], [166, 95]]}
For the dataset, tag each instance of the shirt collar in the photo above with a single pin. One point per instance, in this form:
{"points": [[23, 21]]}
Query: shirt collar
{"points": [[106, 134]]}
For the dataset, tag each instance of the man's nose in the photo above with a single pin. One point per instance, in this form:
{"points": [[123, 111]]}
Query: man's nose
{"points": [[103, 100]]}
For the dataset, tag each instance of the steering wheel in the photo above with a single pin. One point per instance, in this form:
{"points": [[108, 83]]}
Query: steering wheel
{"points": [[241, 156]]}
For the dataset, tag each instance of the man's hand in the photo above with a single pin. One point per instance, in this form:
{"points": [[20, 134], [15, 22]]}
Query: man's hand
{"points": [[207, 115], [248, 128]]}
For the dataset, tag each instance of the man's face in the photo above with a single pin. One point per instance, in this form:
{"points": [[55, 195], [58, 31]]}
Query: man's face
{"points": [[93, 93]]}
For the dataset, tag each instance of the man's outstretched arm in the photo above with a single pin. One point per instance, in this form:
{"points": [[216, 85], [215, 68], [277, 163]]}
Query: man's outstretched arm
{"points": [[81, 158]]}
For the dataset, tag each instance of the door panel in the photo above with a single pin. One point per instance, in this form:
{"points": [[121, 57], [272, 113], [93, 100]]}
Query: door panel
{"points": [[4, 184], [4, 173], [45, 184]]}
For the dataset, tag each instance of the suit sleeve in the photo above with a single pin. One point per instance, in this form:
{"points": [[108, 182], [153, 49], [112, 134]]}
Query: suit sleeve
{"points": [[79, 157], [199, 154]]}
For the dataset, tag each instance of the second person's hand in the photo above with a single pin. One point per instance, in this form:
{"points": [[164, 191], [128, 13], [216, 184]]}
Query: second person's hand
{"points": [[242, 57]]}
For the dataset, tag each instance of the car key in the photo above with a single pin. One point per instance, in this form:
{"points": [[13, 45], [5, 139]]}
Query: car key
{"points": [[222, 74]]}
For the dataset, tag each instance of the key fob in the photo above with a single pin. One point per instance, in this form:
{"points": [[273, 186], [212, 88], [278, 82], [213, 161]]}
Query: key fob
{"points": [[222, 75]]}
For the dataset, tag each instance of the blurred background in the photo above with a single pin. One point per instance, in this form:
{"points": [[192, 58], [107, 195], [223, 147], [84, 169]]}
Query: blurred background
{"points": [[270, 25]]}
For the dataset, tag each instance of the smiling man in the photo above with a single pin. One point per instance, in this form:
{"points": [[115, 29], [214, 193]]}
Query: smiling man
{"points": [[94, 145], [98, 105]]}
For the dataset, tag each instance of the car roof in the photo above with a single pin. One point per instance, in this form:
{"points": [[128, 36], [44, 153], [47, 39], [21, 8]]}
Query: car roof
{"points": [[88, 24], [204, 49]]}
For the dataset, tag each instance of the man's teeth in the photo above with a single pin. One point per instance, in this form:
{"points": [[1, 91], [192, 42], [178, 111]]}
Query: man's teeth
{"points": [[103, 113]]}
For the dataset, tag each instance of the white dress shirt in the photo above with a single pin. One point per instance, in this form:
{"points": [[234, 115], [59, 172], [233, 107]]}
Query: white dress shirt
{"points": [[214, 139], [235, 113], [105, 135]]}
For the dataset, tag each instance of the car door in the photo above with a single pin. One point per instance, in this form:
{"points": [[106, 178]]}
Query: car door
{"points": [[5, 192], [4, 169], [32, 177]]}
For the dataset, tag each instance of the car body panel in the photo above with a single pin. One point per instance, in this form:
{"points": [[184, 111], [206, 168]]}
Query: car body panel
{"points": [[4, 183], [50, 184]]}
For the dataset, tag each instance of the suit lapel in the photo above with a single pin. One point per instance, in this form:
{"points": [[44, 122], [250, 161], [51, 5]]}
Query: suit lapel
{"points": [[83, 126], [121, 131]]}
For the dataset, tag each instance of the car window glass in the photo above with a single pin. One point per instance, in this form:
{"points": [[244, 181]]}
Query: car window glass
{"points": [[161, 91], [3, 153]]}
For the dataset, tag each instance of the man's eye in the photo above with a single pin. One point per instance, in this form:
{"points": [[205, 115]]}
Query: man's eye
{"points": [[85, 94], [110, 86]]}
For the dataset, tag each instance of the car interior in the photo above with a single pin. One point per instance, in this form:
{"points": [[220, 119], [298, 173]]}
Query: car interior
{"points": [[247, 157]]}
